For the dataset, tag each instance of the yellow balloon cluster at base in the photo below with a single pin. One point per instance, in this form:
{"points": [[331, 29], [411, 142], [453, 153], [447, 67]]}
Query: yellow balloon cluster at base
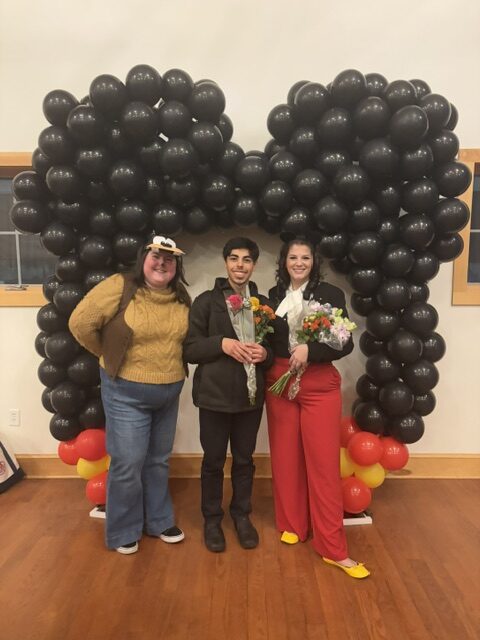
{"points": [[347, 466], [88, 468]]}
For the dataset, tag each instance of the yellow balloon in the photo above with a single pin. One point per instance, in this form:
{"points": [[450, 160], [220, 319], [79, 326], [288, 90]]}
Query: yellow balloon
{"points": [[88, 468], [373, 475], [347, 467]]}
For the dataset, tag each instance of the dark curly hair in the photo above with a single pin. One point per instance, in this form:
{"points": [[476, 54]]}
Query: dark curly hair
{"points": [[177, 284], [282, 276]]}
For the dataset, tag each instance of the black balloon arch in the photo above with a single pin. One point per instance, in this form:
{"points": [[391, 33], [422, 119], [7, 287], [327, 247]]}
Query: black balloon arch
{"points": [[368, 163]]}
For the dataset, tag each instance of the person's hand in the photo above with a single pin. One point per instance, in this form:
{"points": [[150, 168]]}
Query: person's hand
{"points": [[237, 350], [299, 358], [258, 353]]}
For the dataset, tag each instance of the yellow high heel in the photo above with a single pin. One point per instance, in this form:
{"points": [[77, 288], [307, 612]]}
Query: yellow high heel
{"points": [[289, 538], [357, 571]]}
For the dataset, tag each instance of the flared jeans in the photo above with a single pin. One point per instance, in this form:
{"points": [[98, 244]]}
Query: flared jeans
{"points": [[140, 428]]}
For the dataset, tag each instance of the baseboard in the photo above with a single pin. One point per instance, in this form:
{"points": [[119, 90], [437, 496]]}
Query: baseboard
{"points": [[187, 465]]}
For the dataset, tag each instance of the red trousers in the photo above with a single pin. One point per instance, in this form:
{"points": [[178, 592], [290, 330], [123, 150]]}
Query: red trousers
{"points": [[304, 438]]}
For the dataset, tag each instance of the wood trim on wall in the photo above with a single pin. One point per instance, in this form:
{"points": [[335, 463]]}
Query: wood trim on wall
{"points": [[182, 465], [32, 296], [12, 162], [465, 293]]}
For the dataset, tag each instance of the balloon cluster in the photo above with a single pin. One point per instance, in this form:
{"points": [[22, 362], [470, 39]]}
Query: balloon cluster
{"points": [[371, 166], [365, 459], [366, 164]]}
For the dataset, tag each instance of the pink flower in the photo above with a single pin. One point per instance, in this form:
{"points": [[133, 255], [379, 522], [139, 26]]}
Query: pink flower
{"points": [[235, 302]]}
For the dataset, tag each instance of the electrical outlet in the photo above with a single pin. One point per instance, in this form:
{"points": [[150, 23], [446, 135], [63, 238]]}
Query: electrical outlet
{"points": [[14, 417]]}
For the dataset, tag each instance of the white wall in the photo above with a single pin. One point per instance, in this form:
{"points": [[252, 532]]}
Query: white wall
{"points": [[255, 50]]}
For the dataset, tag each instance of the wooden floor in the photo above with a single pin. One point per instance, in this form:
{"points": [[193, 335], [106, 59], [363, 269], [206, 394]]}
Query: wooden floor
{"points": [[58, 582]]}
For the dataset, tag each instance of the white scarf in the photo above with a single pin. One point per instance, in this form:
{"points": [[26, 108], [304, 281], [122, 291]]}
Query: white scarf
{"points": [[296, 308]]}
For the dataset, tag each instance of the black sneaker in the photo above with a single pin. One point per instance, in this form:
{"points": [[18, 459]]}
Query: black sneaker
{"points": [[246, 532], [172, 535], [127, 549]]}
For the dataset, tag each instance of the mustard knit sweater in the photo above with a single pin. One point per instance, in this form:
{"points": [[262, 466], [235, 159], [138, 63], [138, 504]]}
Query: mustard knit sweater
{"points": [[158, 321]]}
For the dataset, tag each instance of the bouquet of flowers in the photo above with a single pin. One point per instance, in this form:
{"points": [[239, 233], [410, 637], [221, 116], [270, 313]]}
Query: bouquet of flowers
{"points": [[251, 321], [324, 324], [262, 313]]}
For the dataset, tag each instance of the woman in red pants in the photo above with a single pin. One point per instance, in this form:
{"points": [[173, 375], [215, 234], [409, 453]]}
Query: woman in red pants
{"points": [[304, 432]]}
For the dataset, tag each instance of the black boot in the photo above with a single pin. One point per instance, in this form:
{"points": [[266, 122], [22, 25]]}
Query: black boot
{"points": [[246, 532], [214, 538]]}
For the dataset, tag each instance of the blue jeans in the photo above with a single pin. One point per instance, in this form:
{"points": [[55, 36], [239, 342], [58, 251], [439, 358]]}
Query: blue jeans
{"points": [[140, 428]]}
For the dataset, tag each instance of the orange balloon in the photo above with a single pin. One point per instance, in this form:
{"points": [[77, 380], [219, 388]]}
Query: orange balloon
{"points": [[365, 448], [356, 495], [67, 452], [96, 488], [395, 454]]}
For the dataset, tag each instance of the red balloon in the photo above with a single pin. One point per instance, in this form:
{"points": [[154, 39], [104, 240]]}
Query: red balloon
{"points": [[96, 489], [67, 451], [348, 427], [356, 495], [395, 454], [91, 444], [365, 448]]}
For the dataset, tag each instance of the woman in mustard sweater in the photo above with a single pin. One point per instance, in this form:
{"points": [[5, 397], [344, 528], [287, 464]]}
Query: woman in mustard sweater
{"points": [[136, 324]]}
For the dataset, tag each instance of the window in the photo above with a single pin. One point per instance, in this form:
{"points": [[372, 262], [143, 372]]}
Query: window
{"points": [[466, 269], [24, 263]]}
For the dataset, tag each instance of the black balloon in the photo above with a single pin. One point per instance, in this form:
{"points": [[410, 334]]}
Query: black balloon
{"points": [[369, 344], [421, 376], [125, 179], [197, 220], [417, 230], [311, 101], [421, 88], [276, 198], [126, 247], [444, 146], [382, 324], [176, 85], [29, 216], [64, 427], [144, 83], [447, 247], [251, 174], [381, 369], [371, 118], [425, 403], [167, 219], [365, 280], [40, 343], [50, 320], [420, 318], [95, 276], [416, 163], [365, 249], [420, 196], [366, 388], [102, 222], [57, 104], [65, 182], [309, 186], [363, 305], [400, 93], [227, 161], [330, 214], [438, 111], [281, 122], [46, 401], [58, 238], [388, 198], [95, 252], [86, 125], [450, 215], [393, 294], [396, 398], [108, 94], [207, 140], [366, 217], [434, 347], [330, 161], [351, 184], [419, 292], [206, 101], [348, 87], [49, 287], [84, 371], [92, 415], [335, 128], [56, 143], [297, 221], [51, 374], [408, 428], [93, 163], [303, 143], [61, 347], [174, 119], [370, 417], [246, 210], [376, 84], [334, 246], [404, 347], [29, 185], [67, 296], [452, 178], [425, 267], [408, 126], [397, 260], [380, 158]]}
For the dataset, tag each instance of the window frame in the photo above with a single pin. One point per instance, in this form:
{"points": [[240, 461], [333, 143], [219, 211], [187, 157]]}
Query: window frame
{"points": [[464, 292], [12, 163]]}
